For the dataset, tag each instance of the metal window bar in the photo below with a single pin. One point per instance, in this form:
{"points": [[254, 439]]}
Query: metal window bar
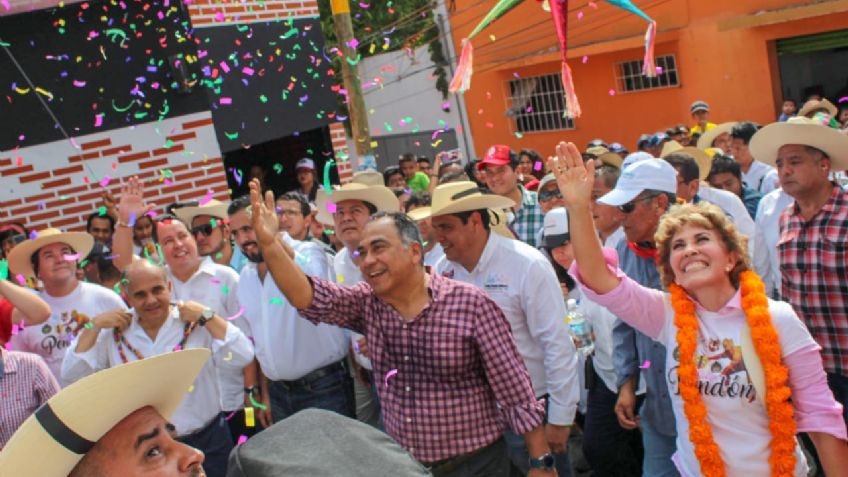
{"points": [[629, 75], [541, 108]]}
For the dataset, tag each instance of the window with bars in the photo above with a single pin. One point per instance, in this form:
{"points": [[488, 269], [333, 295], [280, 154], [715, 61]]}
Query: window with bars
{"points": [[537, 103], [629, 75]]}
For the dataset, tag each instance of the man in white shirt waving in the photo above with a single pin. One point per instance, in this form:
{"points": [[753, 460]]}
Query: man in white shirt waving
{"points": [[154, 327], [52, 257], [521, 280], [303, 365]]}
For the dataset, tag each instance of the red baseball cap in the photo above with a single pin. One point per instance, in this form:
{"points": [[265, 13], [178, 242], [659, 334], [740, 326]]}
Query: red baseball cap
{"points": [[497, 155]]}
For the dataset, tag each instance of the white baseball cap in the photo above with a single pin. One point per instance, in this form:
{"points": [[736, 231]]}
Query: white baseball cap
{"points": [[555, 228], [651, 174], [305, 164], [635, 157]]}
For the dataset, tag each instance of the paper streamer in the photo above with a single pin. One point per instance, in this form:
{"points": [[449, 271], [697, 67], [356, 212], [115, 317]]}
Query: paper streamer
{"points": [[327, 168], [390, 374], [238, 314]]}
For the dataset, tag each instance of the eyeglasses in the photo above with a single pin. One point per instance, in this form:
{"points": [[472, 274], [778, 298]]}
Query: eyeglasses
{"points": [[631, 206], [205, 229], [547, 195]]}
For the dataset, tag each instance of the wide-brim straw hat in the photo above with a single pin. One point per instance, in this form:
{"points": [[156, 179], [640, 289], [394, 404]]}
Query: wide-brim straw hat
{"points": [[368, 177], [804, 131], [20, 256], [52, 441], [815, 105], [379, 196], [706, 140], [213, 208], [704, 160], [465, 196]]}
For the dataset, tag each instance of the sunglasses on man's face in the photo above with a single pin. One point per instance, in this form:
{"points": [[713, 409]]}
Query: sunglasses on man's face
{"points": [[631, 206], [547, 195], [205, 229]]}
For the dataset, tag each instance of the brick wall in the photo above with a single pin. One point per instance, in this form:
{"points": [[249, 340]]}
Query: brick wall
{"points": [[338, 137], [57, 185], [206, 13]]}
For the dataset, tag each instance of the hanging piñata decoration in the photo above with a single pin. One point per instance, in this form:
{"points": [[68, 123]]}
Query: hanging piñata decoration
{"points": [[461, 81]]}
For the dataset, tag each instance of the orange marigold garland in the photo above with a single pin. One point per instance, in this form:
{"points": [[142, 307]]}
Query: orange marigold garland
{"points": [[767, 344]]}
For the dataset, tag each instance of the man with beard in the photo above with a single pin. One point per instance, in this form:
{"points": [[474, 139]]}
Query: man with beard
{"points": [[109, 426], [52, 257], [210, 230], [303, 366], [154, 327], [198, 278]]}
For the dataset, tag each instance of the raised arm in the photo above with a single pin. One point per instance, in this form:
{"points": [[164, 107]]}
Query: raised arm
{"points": [[130, 208], [575, 179], [287, 275], [29, 307]]}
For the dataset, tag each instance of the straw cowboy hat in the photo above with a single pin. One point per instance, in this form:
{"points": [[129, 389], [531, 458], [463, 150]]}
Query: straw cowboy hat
{"points": [[706, 139], [52, 441], [704, 160], [368, 177], [214, 208], [604, 155], [465, 196], [20, 256], [379, 196], [800, 130], [813, 105]]}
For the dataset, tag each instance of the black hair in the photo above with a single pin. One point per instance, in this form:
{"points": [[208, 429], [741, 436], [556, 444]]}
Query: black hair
{"points": [[96, 215], [484, 217], [453, 177], [469, 171], [744, 131], [389, 172], [419, 199], [164, 218], [406, 158], [723, 163], [561, 273], [406, 228], [685, 164], [239, 203], [531, 153], [304, 205], [790, 100], [672, 198], [424, 159]]}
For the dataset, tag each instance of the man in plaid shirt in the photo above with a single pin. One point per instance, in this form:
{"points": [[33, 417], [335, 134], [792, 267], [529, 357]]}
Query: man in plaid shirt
{"points": [[499, 164], [813, 243], [449, 369]]}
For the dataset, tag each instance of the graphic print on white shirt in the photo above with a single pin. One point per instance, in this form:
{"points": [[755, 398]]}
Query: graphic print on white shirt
{"points": [[721, 370]]}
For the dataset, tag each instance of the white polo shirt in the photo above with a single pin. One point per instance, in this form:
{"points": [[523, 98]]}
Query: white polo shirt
{"points": [[216, 287], [202, 401], [288, 346], [523, 283], [51, 339], [761, 177], [765, 258], [735, 210], [348, 274]]}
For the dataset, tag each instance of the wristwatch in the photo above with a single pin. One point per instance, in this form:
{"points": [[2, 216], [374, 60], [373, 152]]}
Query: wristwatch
{"points": [[545, 462], [205, 315]]}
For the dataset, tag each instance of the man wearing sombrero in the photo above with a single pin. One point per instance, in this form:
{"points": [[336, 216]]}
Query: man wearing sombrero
{"points": [[812, 249], [111, 424], [522, 282], [348, 209], [52, 257]]}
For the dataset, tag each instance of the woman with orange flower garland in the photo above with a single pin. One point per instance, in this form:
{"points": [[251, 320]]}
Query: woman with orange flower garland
{"points": [[740, 423]]}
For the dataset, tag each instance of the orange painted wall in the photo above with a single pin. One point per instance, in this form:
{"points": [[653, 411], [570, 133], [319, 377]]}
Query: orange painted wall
{"points": [[728, 69]]}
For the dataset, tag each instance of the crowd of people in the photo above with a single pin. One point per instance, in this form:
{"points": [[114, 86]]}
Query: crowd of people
{"points": [[683, 307]]}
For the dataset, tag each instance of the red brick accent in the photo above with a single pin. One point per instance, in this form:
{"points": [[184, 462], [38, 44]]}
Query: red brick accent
{"points": [[5, 162], [17, 170], [69, 221], [116, 150], [67, 170], [34, 177], [56, 183], [197, 124], [56, 203], [182, 137], [91, 155], [153, 163], [10, 203], [95, 144], [134, 157], [46, 196], [168, 150]]}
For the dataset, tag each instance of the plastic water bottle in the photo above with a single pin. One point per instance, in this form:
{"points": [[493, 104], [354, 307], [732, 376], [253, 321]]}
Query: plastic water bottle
{"points": [[581, 329]]}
